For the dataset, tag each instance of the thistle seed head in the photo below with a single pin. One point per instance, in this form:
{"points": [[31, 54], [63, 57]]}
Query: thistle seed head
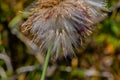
{"points": [[64, 24]]}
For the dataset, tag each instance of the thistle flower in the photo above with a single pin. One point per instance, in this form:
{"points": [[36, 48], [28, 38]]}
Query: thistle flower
{"points": [[64, 24]]}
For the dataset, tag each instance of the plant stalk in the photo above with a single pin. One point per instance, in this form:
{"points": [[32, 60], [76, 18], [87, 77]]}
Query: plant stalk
{"points": [[46, 64]]}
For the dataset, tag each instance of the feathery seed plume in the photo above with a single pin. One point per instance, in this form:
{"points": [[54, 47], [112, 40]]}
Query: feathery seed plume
{"points": [[64, 24]]}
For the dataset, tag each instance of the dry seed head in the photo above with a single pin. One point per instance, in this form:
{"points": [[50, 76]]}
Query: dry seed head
{"points": [[62, 23]]}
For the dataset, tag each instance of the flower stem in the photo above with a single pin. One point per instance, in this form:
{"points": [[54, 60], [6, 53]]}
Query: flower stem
{"points": [[46, 64]]}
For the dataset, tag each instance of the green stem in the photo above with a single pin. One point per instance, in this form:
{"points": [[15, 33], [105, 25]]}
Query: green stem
{"points": [[45, 64]]}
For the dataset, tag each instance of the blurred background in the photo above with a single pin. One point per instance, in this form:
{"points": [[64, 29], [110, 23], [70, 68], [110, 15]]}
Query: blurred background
{"points": [[99, 59]]}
